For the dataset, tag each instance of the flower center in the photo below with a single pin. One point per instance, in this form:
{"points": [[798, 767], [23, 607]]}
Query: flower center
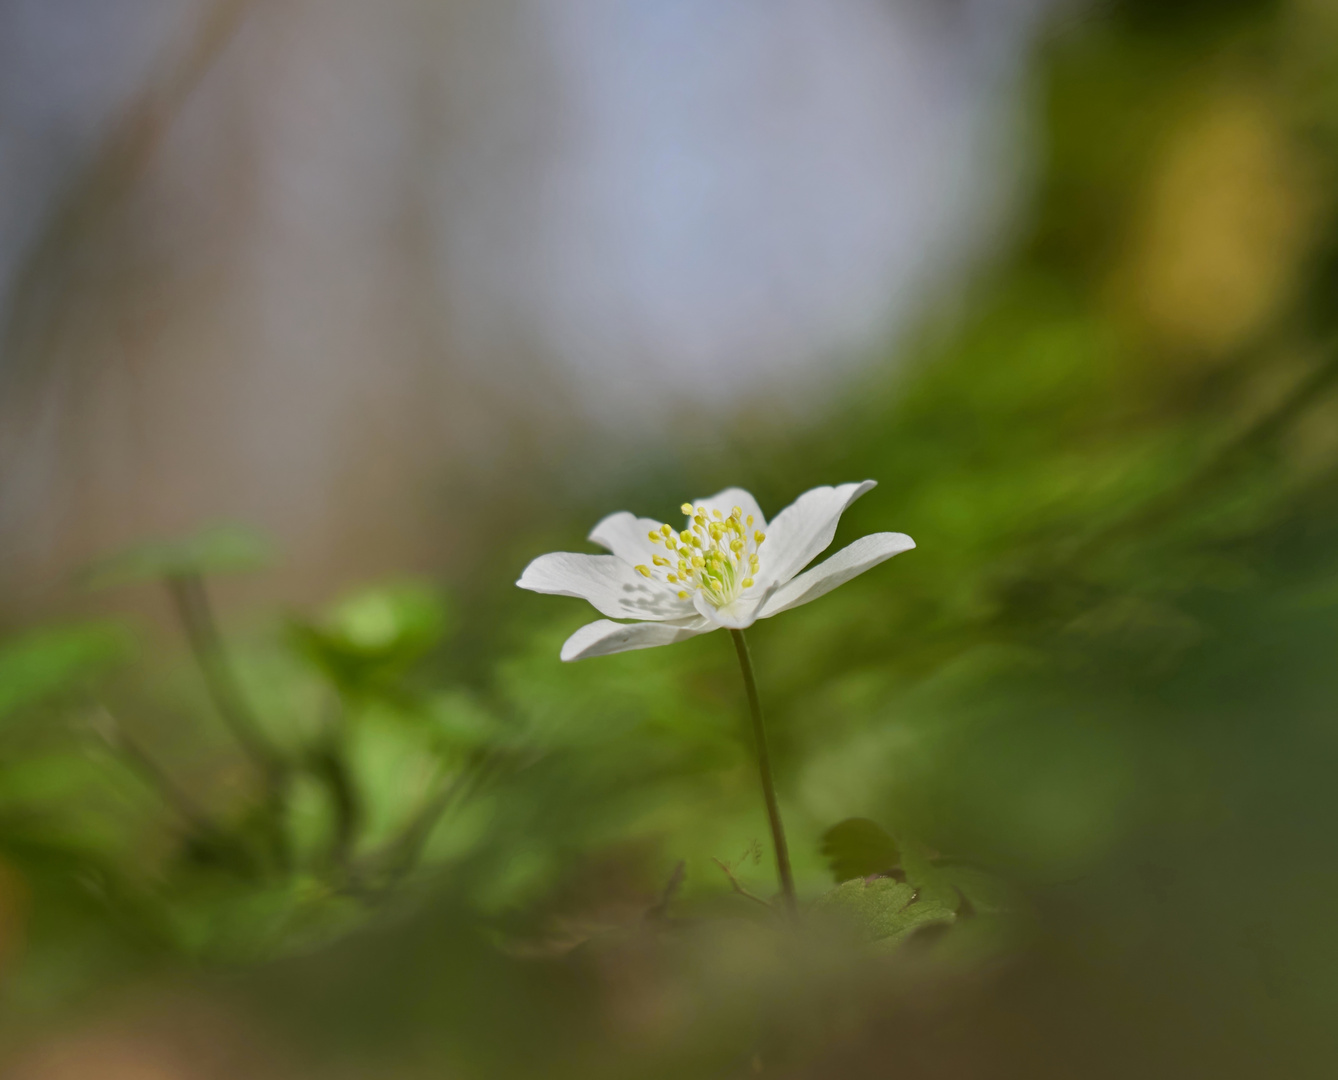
{"points": [[714, 554]]}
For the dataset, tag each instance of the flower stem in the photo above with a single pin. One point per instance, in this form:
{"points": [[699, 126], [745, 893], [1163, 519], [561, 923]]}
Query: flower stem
{"points": [[764, 768]]}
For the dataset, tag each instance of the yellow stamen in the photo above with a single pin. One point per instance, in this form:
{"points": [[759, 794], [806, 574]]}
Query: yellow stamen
{"points": [[711, 554]]}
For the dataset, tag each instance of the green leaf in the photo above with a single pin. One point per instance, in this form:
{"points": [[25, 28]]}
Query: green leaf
{"points": [[217, 550], [881, 910], [870, 903], [915, 917], [375, 634], [43, 663], [930, 884], [858, 847]]}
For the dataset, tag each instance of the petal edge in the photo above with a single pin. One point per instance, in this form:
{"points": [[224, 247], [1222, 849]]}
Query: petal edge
{"points": [[851, 561], [603, 638], [610, 585], [804, 529]]}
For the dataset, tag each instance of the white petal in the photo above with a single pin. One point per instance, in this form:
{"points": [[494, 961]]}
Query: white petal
{"points": [[739, 615], [726, 500], [804, 529], [864, 554], [627, 536], [604, 637], [610, 584]]}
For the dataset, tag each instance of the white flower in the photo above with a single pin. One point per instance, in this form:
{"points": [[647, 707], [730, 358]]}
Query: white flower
{"points": [[726, 568]]}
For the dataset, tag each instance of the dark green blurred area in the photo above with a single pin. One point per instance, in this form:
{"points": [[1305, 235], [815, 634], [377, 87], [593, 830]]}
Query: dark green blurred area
{"points": [[1105, 679]]}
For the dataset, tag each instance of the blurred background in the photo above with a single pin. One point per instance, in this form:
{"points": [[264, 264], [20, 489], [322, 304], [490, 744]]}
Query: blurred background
{"points": [[319, 321]]}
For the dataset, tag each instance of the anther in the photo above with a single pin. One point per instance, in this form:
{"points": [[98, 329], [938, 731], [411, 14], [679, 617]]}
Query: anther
{"points": [[759, 536], [747, 583], [687, 509], [655, 537], [683, 595], [644, 571]]}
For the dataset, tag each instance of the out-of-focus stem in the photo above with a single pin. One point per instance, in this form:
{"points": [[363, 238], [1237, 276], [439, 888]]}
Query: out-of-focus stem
{"points": [[200, 825], [330, 763], [197, 620], [764, 769]]}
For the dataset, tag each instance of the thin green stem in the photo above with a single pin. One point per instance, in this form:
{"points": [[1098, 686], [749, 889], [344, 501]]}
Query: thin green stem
{"points": [[764, 769], [197, 619]]}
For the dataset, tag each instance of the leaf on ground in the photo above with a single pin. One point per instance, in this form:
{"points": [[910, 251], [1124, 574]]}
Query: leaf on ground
{"points": [[931, 886], [858, 847], [881, 910], [915, 917]]}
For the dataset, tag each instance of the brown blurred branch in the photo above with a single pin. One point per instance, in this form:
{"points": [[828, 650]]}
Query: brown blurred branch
{"points": [[738, 888], [38, 295], [661, 907]]}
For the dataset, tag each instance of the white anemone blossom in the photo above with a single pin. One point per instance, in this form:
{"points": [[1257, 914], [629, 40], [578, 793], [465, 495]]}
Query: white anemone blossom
{"points": [[726, 569]]}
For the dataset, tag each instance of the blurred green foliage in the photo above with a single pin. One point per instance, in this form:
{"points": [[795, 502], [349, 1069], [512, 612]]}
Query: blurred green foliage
{"points": [[219, 550], [1082, 739]]}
